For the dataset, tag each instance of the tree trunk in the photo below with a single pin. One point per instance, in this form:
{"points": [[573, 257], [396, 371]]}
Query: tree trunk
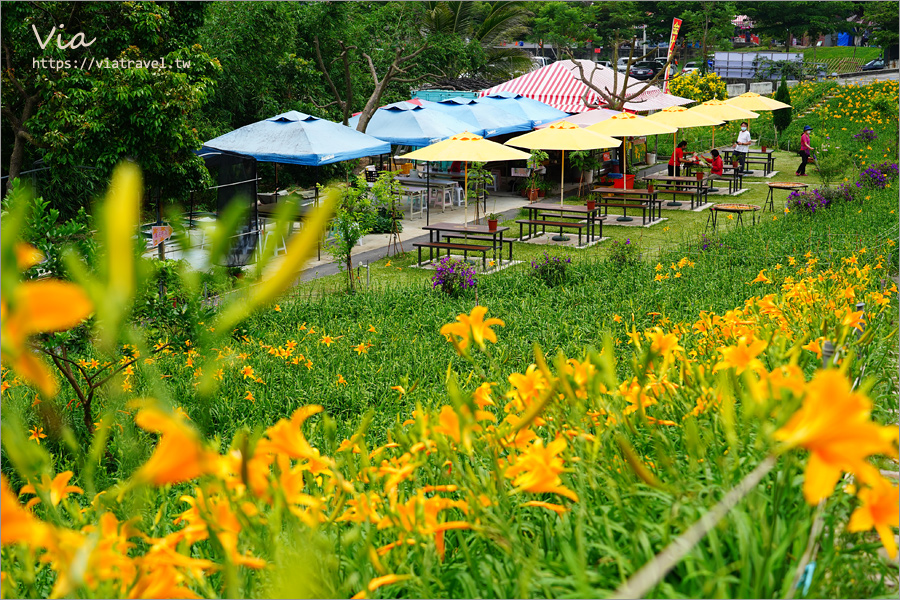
{"points": [[350, 272], [22, 136]]}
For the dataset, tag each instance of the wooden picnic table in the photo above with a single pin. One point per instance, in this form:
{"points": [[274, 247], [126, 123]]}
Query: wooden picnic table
{"points": [[767, 158], [781, 185], [539, 211], [468, 233], [734, 176], [647, 195], [680, 184]]}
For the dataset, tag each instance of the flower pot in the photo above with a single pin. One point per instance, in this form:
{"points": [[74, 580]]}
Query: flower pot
{"points": [[650, 188], [492, 224], [699, 175], [626, 182], [735, 164], [532, 194], [763, 148], [591, 204], [542, 193]]}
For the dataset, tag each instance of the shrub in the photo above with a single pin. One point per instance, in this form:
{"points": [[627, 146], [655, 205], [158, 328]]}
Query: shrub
{"points": [[624, 253], [699, 88], [453, 276], [865, 135], [807, 202], [551, 270], [831, 163], [710, 242]]}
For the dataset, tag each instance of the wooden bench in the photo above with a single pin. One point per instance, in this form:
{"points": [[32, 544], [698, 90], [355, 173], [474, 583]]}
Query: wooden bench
{"points": [[637, 203], [480, 238], [561, 224], [701, 196], [464, 248], [768, 164], [735, 181]]}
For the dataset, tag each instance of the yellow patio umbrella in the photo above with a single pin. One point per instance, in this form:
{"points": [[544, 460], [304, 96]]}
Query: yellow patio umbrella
{"points": [[682, 118], [719, 109], [564, 135], [630, 125], [753, 101], [467, 147]]}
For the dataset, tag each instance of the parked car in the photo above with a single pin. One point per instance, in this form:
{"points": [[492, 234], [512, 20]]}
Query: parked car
{"points": [[622, 64], [874, 65], [605, 63], [646, 69], [690, 68]]}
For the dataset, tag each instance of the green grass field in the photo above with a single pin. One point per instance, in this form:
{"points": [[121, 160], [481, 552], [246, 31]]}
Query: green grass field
{"points": [[612, 411]]}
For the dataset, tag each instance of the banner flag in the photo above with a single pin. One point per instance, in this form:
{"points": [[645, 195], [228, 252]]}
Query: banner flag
{"points": [[676, 27]]}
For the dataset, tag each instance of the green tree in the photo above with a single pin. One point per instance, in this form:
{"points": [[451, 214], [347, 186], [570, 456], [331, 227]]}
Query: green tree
{"points": [[484, 26], [781, 118], [783, 21], [264, 69], [885, 16], [64, 106], [562, 24], [706, 22]]}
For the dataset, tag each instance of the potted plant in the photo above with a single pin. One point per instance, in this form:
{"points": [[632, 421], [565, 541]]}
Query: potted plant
{"points": [[585, 162], [535, 163], [591, 203], [543, 187], [493, 219]]}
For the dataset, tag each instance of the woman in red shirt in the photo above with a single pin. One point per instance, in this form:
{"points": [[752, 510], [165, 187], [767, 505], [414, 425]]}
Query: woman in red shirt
{"points": [[805, 149], [677, 159], [717, 166]]}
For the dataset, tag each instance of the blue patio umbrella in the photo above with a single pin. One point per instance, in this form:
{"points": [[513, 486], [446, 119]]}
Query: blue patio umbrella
{"points": [[408, 124], [299, 139], [492, 120], [537, 112]]}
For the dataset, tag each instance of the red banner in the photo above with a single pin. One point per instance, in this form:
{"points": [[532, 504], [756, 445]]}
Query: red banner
{"points": [[676, 27]]}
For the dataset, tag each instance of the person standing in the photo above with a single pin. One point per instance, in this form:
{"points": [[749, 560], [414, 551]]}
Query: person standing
{"points": [[742, 146], [805, 150], [677, 159]]}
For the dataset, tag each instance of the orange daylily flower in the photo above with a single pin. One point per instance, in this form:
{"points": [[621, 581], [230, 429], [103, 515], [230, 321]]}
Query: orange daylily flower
{"points": [[19, 525], [39, 307], [742, 357], [557, 508], [179, 455], [286, 437], [878, 510], [834, 425], [537, 469], [58, 489], [472, 326]]}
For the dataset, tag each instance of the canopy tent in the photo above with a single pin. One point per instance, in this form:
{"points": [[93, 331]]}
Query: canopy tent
{"points": [[299, 139], [587, 118], [490, 119], [560, 85], [537, 112], [408, 124]]}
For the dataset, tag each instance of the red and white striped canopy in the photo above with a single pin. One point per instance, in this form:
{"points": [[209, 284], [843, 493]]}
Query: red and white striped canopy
{"points": [[560, 85]]}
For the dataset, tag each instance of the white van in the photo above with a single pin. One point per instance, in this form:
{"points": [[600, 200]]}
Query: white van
{"points": [[622, 64]]}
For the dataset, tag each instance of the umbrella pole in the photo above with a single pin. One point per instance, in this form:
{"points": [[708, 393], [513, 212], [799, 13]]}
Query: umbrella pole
{"points": [[428, 193], [562, 179], [466, 192]]}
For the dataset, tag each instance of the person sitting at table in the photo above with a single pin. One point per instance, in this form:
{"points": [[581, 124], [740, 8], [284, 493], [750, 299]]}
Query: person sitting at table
{"points": [[717, 165], [677, 159]]}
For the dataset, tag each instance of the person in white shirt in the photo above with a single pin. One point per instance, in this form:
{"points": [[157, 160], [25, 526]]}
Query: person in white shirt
{"points": [[742, 146]]}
